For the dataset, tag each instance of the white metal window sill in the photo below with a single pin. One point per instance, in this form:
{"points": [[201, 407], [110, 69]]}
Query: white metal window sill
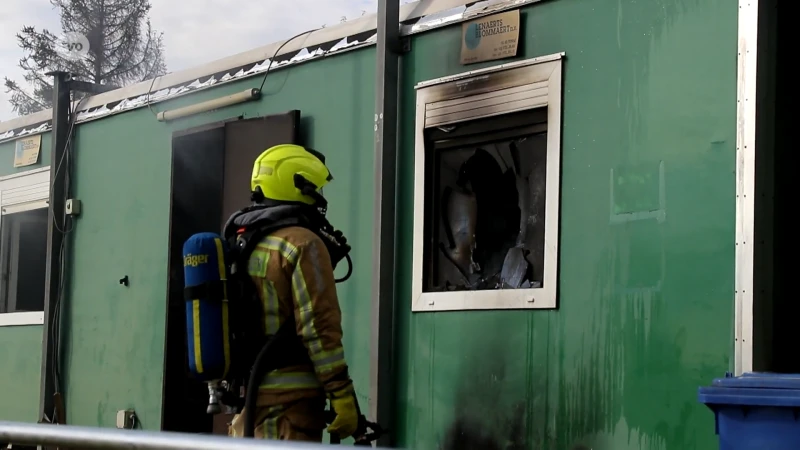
{"points": [[22, 318], [533, 298]]}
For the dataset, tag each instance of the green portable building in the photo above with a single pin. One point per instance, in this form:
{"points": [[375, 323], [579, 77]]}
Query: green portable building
{"points": [[639, 122]]}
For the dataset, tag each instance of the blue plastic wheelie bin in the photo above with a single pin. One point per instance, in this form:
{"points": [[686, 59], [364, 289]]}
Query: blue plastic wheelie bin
{"points": [[755, 411]]}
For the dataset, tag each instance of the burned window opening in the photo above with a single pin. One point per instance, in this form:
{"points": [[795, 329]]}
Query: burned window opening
{"points": [[485, 217]]}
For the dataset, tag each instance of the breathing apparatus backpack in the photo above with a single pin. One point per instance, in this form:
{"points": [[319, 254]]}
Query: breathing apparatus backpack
{"points": [[226, 341]]}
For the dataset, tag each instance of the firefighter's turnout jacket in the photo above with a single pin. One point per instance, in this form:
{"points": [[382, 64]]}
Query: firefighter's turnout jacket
{"points": [[294, 279]]}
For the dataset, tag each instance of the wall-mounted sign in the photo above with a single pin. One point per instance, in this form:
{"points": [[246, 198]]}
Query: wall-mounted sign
{"points": [[491, 37], [26, 152]]}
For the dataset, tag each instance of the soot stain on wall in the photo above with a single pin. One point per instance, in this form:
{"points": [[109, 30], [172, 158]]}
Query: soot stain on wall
{"points": [[468, 433], [499, 406]]}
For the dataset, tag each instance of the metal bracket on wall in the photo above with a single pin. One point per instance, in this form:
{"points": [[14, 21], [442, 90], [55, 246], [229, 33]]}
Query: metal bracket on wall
{"points": [[405, 45], [91, 88]]}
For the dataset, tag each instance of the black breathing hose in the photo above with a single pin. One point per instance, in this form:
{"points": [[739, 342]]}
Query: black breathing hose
{"points": [[349, 270], [260, 368], [251, 395]]}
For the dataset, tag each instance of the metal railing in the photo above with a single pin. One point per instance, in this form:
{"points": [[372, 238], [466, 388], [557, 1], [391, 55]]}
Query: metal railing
{"points": [[75, 437]]}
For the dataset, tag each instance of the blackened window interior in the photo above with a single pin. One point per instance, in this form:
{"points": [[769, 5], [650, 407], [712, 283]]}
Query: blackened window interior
{"points": [[485, 203], [23, 253]]}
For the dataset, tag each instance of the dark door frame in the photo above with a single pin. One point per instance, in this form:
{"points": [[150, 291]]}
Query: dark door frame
{"points": [[277, 129], [175, 135]]}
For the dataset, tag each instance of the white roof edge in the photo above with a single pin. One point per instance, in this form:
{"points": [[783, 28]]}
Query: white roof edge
{"points": [[408, 12]]}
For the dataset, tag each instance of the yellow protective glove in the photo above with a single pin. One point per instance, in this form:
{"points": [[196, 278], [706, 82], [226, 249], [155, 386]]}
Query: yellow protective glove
{"points": [[346, 420]]}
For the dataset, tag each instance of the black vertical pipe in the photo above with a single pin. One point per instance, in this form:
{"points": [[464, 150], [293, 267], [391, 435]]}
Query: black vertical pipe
{"points": [[383, 289], [58, 171]]}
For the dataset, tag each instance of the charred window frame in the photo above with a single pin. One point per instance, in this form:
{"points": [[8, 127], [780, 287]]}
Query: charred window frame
{"points": [[516, 102], [23, 248]]}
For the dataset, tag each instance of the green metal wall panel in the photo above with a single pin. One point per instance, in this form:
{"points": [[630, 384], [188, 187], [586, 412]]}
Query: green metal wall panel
{"points": [[646, 308], [115, 334], [21, 356]]}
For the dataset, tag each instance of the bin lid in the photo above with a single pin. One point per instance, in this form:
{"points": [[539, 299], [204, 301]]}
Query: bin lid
{"points": [[760, 380], [753, 389]]}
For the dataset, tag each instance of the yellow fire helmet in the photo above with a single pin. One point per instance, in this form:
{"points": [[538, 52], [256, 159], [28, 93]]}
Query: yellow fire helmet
{"points": [[291, 173]]}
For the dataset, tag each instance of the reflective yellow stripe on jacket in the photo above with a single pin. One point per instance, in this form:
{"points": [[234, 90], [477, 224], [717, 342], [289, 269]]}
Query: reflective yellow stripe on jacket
{"points": [[289, 380], [269, 296]]}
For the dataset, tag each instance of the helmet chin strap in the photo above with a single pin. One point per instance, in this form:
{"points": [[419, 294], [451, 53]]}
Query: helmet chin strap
{"points": [[310, 189], [256, 196], [337, 243]]}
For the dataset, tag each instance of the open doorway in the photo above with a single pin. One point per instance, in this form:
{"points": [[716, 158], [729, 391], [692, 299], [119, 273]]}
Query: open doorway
{"points": [[775, 310], [211, 167]]}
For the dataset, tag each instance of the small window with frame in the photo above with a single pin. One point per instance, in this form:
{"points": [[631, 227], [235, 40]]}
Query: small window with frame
{"points": [[23, 247], [23, 258], [486, 201]]}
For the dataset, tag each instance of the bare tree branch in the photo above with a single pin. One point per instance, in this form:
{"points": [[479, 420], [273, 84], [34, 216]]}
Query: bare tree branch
{"points": [[23, 102], [123, 49]]}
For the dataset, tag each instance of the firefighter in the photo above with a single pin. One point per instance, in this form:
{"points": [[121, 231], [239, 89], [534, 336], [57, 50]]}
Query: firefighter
{"points": [[292, 269]]}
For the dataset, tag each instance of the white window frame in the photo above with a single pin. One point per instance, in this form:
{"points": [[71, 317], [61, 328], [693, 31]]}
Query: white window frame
{"points": [[546, 70], [12, 189], [746, 84]]}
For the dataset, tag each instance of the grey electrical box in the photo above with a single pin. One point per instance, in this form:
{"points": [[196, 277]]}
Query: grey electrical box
{"points": [[72, 207], [126, 419]]}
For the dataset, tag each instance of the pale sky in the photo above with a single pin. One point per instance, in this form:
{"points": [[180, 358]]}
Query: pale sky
{"points": [[195, 31]]}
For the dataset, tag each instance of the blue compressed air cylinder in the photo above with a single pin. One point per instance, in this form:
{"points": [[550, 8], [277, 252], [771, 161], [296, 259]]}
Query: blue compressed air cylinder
{"points": [[205, 272]]}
